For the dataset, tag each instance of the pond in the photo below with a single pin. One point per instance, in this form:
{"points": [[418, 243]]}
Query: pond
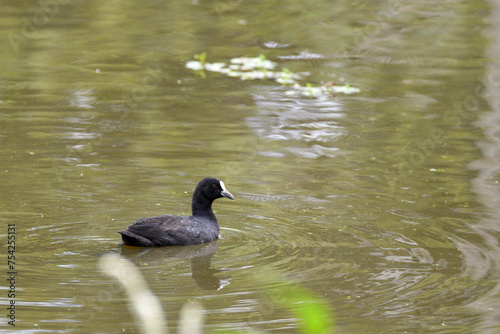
{"points": [[380, 206]]}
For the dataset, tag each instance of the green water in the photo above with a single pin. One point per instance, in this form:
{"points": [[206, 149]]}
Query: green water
{"points": [[382, 204]]}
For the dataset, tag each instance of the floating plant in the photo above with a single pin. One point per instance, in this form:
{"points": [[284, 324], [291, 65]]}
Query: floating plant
{"points": [[260, 68]]}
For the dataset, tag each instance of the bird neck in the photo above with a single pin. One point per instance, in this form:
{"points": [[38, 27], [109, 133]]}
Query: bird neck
{"points": [[202, 207]]}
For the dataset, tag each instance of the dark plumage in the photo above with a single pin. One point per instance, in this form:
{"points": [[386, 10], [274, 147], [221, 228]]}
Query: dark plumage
{"points": [[169, 230]]}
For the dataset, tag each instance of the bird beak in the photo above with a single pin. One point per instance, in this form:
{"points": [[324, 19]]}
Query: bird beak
{"points": [[224, 191]]}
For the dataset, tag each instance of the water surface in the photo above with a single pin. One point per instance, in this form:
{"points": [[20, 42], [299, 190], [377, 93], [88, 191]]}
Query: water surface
{"points": [[382, 204]]}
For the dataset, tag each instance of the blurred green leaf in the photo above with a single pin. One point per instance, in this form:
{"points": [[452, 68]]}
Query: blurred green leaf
{"points": [[313, 314]]}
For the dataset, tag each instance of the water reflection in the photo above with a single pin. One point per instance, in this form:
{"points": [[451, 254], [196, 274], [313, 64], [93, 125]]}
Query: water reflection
{"points": [[83, 99], [204, 276], [298, 121], [482, 262]]}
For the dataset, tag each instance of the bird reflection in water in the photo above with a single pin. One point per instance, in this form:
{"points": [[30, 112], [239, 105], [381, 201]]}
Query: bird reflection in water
{"points": [[204, 276]]}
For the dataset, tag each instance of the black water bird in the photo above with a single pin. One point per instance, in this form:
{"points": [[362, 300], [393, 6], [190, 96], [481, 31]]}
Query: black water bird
{"points": [[169, 230]]}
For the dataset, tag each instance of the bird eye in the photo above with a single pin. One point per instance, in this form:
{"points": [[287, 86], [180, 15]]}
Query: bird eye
{"points": [[215, 186]]}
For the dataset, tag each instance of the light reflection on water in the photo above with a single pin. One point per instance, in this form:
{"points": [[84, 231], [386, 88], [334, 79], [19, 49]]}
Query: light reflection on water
{"points": [[298, 121]]}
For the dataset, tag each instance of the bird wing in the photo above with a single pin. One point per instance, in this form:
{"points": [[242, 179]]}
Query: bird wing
{"points": [[165, 230]]}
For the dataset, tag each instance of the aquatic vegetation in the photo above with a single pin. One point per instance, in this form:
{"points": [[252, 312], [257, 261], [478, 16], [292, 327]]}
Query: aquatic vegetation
{"points": [[195, 65], [260, 68], [287, 77], [248, 63]]}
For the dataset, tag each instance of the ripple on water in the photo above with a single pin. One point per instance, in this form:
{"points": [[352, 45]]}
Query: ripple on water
{"points": [[364, 270], [408, 214], [393, 273], [299, 121]]}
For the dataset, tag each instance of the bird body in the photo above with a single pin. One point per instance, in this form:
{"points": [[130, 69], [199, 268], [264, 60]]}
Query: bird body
{"points": [[170, 230]]}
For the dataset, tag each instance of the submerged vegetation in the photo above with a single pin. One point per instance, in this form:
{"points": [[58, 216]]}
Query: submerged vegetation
{"points": [[260, 68]]}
